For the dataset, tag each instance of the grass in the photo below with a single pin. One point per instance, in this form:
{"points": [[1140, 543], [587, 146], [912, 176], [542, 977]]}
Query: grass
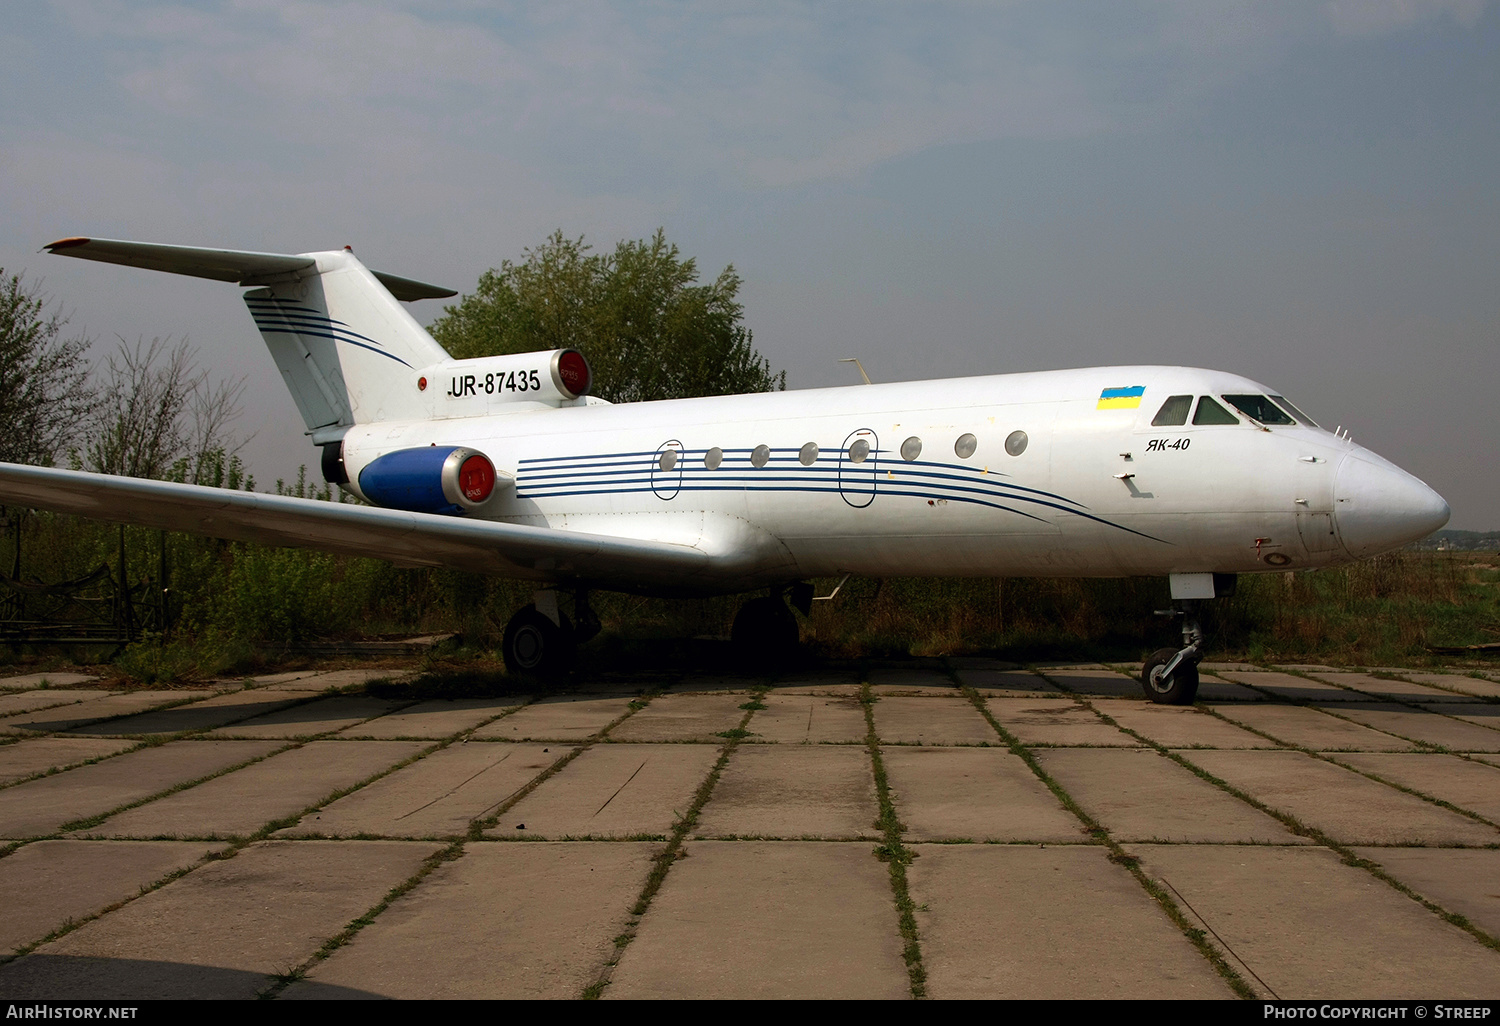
{"points": [[893, 853]]}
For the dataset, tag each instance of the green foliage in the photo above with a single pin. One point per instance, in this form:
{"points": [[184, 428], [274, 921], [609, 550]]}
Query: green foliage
{"points": [[648, 329], [45, 395]]}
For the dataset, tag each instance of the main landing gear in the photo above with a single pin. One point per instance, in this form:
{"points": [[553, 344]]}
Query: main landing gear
{"points": [[540, 640], [765, 631]]}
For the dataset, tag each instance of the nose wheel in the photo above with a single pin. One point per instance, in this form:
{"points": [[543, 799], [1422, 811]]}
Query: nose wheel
{"points": [[1170, 675], [1175, 687]]}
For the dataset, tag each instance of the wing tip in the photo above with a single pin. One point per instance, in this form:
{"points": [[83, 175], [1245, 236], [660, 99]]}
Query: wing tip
{"points": [[68, 243]]}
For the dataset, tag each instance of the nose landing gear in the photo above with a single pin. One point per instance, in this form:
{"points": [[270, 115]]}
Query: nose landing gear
{"points": [[1170, 675]]}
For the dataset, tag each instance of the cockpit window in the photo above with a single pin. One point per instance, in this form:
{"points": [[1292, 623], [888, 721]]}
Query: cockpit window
{"points": [[1288, 407], [1173, 412], [1210, 412], [1258, 407]]}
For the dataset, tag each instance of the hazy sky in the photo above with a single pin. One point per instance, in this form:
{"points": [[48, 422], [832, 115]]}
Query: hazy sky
{"points": [[1305, 192]]}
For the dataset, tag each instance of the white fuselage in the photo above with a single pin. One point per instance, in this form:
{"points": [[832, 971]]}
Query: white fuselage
{"points": [[1096, 491]]}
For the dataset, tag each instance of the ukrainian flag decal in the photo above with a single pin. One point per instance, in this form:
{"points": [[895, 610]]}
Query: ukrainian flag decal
{"points": [[1121, 398]]}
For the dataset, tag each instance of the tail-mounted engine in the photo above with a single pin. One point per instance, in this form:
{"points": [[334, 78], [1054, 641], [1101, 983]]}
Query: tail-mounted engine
{"points": [[461, 388], [436, 479]]}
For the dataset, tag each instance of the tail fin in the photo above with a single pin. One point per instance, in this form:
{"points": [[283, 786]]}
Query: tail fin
{"points": [[348, 349]]}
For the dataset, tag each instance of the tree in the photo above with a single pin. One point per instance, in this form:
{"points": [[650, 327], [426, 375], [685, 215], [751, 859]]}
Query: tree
{"points": [[45, 394], [648, 329], [160, 417]]}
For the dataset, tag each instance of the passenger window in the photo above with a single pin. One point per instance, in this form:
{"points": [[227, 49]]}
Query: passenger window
{"points": [[1210, 412], [1258, 407], [1288, 407], [1173, 412]]}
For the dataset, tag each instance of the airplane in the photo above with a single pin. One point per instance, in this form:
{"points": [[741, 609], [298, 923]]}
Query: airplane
{"points": [[507, 466]]}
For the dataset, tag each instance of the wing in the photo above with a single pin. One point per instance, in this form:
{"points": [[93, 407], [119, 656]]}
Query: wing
{"points": [[409, 539]]}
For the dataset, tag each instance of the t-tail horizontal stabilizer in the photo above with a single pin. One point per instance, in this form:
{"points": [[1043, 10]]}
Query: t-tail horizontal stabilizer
{"points": [[348, 349]]}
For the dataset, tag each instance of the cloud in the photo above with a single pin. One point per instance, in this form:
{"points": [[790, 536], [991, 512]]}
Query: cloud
{"points": [[1365, 18], [764, 95]]}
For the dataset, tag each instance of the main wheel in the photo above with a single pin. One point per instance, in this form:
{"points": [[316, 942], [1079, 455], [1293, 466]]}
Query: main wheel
{"points": [[765, 632], [1178, 689], [536, 646]]}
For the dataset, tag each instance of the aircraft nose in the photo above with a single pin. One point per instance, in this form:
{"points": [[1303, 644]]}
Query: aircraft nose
{"points": [[1381, 507]]}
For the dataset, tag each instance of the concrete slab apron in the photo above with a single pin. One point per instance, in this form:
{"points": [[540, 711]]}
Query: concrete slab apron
{"points": [[1469, 785], [809, 920], [436, 796], [94, 712], [49, 883], [1382, 688], [1426, 724], [222, 929], [1055, 722], [504, 921], [1347, 807], [12, 705], [213, 711], [1483, 714], [1106, 683], [40, 754], [320, 717], [436, 719], [793, 791], [809, 719], [39, 807], [242, 802], [1181, 727], [1456, 682], [932, 721], [1309, 926], [1460, 880], [556, 719], [56, 679], [614, 791], [1140, 794], [683, 718], [1310, 728], [975, 794], [1006, 682], [1006, 921], [1291, 686]]}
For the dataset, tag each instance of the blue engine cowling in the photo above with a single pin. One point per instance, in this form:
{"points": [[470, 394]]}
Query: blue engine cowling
{"points": [[436, 479]]}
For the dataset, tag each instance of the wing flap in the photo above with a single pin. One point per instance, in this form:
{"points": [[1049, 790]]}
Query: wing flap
{"points": [[412, 539]]}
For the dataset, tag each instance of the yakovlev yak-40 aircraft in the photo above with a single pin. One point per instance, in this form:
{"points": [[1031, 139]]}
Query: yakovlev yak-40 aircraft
{"points": [[506, 465]]}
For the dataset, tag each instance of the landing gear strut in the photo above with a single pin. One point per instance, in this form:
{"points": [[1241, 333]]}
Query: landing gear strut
{"points": [[1170, 675], [765, 631], [540, 641]]}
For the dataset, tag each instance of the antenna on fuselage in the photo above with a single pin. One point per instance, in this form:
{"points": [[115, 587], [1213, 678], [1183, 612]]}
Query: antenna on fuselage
{"points": [[855, 360]]}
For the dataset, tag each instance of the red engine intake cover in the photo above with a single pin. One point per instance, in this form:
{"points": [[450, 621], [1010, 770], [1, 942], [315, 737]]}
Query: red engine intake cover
{"points": [[476, 478]]}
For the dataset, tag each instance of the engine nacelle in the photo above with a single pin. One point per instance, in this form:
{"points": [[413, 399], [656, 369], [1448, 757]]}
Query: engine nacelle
{"points": [[435, 479], [459, 388]]}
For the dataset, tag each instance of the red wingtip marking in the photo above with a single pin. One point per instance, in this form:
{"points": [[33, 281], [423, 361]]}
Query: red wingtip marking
{"points": [[53, 247]]}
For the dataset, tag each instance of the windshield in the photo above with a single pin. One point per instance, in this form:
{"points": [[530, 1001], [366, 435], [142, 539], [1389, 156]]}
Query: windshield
{"points": [[1288, 407], [1259, 408]]}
